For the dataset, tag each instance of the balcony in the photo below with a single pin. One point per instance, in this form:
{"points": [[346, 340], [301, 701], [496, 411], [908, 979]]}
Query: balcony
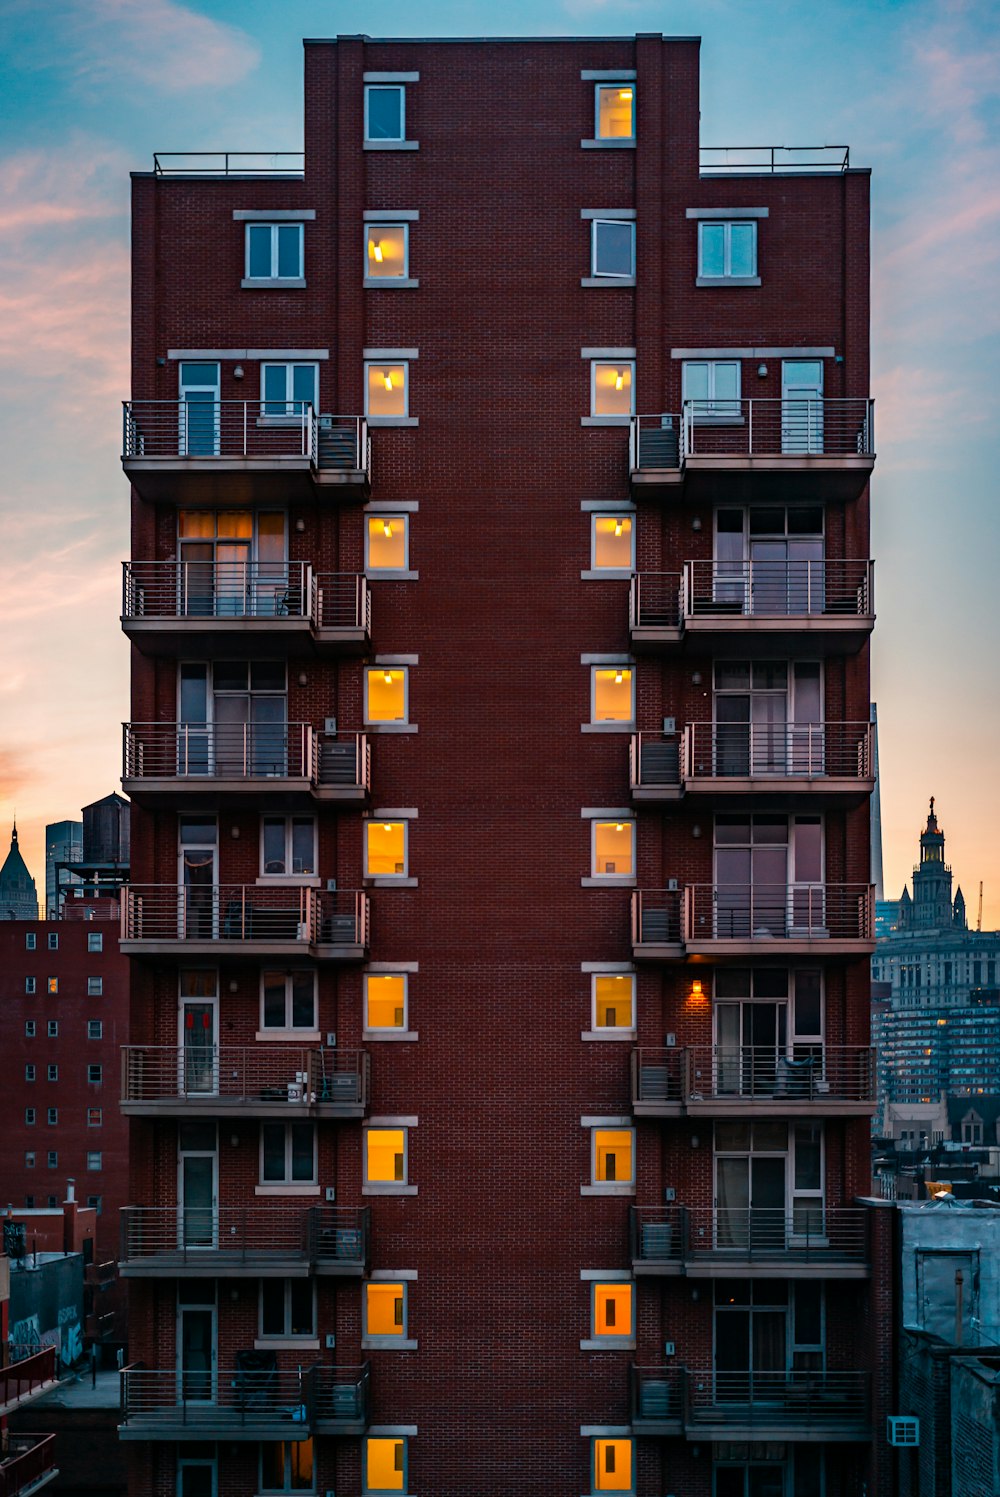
{"points": [[29, 1373], [766, 607], [214, 766], [342, 1398], [656, 924], [280, 1081], [229, 608], [243, 920], [742, 1242], [241, 1403], [27, 1464], [738, 451], [259, 1241], [228, 452], [742, 1081], [784, 1405], [723, 920], [655, 615], [656, 1400]]}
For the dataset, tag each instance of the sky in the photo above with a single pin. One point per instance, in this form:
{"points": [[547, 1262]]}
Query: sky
{"points": [[91, 88]]}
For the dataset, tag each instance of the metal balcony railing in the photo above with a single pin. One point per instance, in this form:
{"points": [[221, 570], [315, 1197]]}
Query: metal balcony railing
{"points": [[342, 1395], [217, 590], [234, 1398], [793, 751], [301, 1075], [657, 1235], [656, 1395], [793, 427], [205, 429], [777, 589], [340, 918], [798, 1072], [28, 1462], [808, 1232], [244, 912], [777, 912], [218, 751], [655, 761], [656, 917], [793, 1398], [28, 1371], [255, 1236], [341, 600], [229, 163], [655, 442], [655, 600], [765, 160]]}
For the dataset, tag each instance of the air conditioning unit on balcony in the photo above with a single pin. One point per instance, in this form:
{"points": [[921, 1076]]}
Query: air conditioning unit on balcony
{"points": [[903, 1429]]}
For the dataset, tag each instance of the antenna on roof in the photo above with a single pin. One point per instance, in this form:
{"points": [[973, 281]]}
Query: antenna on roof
{"points": [[979, 917]]}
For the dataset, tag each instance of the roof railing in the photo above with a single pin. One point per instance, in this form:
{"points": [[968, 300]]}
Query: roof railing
{"points": [[718, 160], [229, 163]]}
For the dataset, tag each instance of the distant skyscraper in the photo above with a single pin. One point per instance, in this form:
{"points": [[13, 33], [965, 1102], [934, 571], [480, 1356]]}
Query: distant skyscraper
{"points": [[876, 813], [18, 895], [63, 844]]}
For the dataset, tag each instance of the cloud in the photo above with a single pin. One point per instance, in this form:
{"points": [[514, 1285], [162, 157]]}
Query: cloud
{"points": [[17, 773]]}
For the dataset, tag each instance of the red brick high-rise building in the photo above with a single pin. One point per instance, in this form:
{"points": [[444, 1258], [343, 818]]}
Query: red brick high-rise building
{"points": [[499, 1076]]}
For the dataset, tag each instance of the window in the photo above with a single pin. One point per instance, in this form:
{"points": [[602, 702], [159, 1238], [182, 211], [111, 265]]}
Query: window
{"points": [[95, 987], [727, 250], [972, 1133], [29, 1073], [386, 849], [288, 1000], [95, 1074], [286, 1466], [95, 1117], [52, 1117], [386, 694], [29, 1159], [615, 111], [612, 542], [387, 390], [95, 1029], [387, 543], [53, 940], [612, 694], [613, 1161], [29, 1029], [287, 1307], [288, 846], [385, 112], [713, 388], [52, 1202], [385, 1463], [287, 1154], [612, 247], [29, 1116], [52, 984], [52, 1159], [53, 1073], [387, 251], [385, 1156], [30, 940], [385, 1311], [613, 997], [96, 1203], [29, 1202], [385, 1000], [288, 389], [95, 941], [29, 984], [612, 388], [613, 849], [274, 252], [612, 1465], [611, 1307]]}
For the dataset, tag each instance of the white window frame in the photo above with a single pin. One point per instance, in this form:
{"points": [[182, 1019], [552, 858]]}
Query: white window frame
{"points": [[403, 364], [625, 1339], [95, 1029], [53, 940], [612, 878], [289, 414], [387, 878], [52, 1029], [95, 987], [389, 722], [302, 1031], [286, 1181], [30, 1115], [610, 1187], [719, 409], [392, 518], [99, 1122], [29, 1072], [375, 1339], [29, 1159], [30, 985], [370, 1491], [612, 1031], [30, 940], [611, 363], [399, 88], [52, 1159], [386, 1187], [295, 878], [619, 84], [202, 1462], [279, 1338], [95, 940], [610, 514], [383, 1030], [52, 1117], [98, 1079], [52, 1071], [626, 724], [726, 224], [92, 1155], [611, 275], [29, 1029], [373, 226], [52, 985], [274, 277]]}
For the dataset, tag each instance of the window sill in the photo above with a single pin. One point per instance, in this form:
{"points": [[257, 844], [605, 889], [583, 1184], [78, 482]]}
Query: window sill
{"points": [[609, 1034], [616, 727], [727, 280], [286, 1190], [607, 1190], [393, 420], [388, 1343], [601, 574], [391, 574], [388, 1189], [608, 881], [390, 727], [624, 281], [302, 880], [608, 145], [391, 145], [279, 283], [286, 1343], [390, 1034], [389, 283], [390, 881], [303, 1036], [608, 1343], [605, 420]]}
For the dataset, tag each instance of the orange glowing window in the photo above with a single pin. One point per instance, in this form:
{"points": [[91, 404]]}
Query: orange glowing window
{"points": [[614, 1156], [612, 1465], [613, 537], [385, 1465], [612, 694], [388, 537], [613, 849], [286, 1466], [387, 251], [385, 1155], [386, 694], [385, 1000], [386, 390], [615, 111], [612, 387], [385, 1309], [612, 1309], [614, 1001], [385, 849]]}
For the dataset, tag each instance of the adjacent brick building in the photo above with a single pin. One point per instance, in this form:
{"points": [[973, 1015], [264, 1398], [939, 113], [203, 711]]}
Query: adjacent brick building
{"points": [[492, 717]]}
